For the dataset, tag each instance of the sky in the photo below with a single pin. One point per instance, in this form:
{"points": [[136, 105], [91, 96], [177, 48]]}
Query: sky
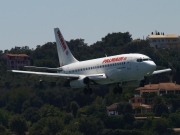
{"points": [[31, 23]]}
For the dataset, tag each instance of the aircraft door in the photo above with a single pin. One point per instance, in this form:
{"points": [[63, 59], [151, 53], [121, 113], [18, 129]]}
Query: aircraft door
{"points": [[98, 68], [128, 63]]}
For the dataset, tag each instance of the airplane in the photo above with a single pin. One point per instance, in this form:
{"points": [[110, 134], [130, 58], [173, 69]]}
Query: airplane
{"points": [[124, 70]]}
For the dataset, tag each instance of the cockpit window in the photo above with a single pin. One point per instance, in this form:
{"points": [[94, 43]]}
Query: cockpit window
{"points": [[139, 60], [144, 59]]}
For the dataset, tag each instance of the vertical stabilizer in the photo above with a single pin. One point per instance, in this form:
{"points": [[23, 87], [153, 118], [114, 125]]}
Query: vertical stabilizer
{"points": [[64, 54]]}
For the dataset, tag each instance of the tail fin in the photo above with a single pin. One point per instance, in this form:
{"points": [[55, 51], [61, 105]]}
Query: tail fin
{"points": [[64, 54]]}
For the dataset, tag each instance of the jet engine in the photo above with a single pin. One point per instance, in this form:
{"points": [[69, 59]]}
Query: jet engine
{"points": [[81, 82]]}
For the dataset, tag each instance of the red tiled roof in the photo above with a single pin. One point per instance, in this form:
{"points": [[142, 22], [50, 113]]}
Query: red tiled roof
{"points": [[18, 55], [134, 105], [113, 106], [160, 86]]}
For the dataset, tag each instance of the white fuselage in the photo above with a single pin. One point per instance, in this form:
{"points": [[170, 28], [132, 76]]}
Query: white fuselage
{"points": [[118, 68]]}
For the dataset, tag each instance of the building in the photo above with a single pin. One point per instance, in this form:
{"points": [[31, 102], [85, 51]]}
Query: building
{"points": [[159, 89], [139, 106], [164, 41], [112, 109], [15, 61]]}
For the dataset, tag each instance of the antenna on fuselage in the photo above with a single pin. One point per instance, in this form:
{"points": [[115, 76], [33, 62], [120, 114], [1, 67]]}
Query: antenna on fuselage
{"points": [[105, 55]]}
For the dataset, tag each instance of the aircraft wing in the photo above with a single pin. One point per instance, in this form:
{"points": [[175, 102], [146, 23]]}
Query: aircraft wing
{"points": [[74, 76], [47, 74], [161, 71], [46, 68]]}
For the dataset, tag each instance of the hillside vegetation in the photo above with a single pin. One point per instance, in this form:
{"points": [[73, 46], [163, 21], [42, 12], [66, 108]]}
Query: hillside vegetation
{"points": [[31, 106]]}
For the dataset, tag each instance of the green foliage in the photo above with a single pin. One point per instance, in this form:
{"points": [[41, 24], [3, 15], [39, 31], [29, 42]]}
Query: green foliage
{"points": [[47, 125], [18, 125], [31, 114], [160, 125], [175, 119], [114, 122], [90, 125], [3, 130], [74, 107], [4, 117], [16, 99], [122, 132], [66, 132], [49, 111], [68, 118], [124, 108], [159, 106], [44, 107]]}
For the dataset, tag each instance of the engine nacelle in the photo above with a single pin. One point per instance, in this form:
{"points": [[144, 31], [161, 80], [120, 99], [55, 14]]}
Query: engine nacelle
{"points": [[81, 82], [131, 84]]}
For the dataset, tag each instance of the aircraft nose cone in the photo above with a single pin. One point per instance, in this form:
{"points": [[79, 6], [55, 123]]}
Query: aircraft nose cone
{"points": [[152, 66]]}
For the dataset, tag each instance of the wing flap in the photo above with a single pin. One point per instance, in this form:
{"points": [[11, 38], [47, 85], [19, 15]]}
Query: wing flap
{"points": [[45, 68]]}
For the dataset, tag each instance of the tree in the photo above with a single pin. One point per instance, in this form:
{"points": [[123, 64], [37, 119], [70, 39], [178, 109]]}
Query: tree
{"points": [[66, 132], [175, 119], [124, 108], [3, 130], [112, 122], [74, 107], [67, 118], [49, 111], [47, 126], [160, 125], [31, 114], [159, 107], [90, 125], [18, 124]]}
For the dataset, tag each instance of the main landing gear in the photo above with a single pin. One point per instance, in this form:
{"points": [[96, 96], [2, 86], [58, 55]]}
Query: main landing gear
{"points": [[117, 89], [87, 90]]}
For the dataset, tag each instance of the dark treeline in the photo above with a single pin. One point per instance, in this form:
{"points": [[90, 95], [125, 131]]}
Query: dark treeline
{"points": [[40, 105]]}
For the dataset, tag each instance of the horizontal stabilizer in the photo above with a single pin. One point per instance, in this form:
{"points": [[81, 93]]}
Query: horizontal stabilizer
{"points": [[161, 71]]}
